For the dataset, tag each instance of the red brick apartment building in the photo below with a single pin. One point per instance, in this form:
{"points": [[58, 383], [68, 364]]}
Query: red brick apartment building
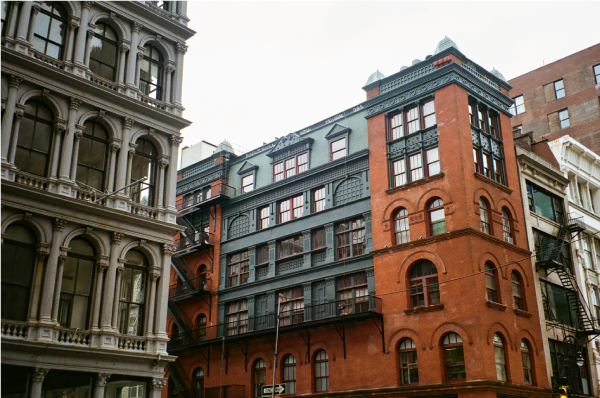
{"points": [[392, 236], [561, 98]]}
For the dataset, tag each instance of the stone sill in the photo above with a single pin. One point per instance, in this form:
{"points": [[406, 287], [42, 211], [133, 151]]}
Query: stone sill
{"points": [[417, 183], [524, 314], [495, 183], [496, 306], [424, 308]]}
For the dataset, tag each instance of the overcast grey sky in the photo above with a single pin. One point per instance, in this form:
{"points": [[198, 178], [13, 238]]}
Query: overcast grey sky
{"points": [[259, 70]]}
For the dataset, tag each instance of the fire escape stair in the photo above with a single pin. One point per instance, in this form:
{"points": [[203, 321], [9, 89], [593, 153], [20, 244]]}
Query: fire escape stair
{"points": [[587, 325], [182, 321], [180, 378]]}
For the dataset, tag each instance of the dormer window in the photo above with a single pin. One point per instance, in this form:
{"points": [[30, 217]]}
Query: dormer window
{"points": [[290, 167], [338, 149]]}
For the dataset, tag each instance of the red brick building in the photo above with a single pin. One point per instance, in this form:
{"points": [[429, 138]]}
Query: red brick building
{"points": [[402, 269], [561, 98]]}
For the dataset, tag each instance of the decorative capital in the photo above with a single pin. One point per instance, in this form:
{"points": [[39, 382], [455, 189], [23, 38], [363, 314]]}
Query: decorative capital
{"points": [[78, 135], [168, 249], [175, 140], [170, 66], [124, 47], [39, 374], [73, 25], [162, 163], [102, 379], [116, 237], [75, 103], [88, 4], [62, 257], [43, 250], [101, 263], [136, 27], [127, 122], [140, 55], [181, 47], [19, 114], [90, 33], [159, 383], [35, 9], [154, 276], [15, 81], [120, 269], [59, 224]]}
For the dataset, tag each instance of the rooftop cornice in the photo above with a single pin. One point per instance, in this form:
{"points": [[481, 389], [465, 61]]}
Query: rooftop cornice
{"points": [[537, 163]]}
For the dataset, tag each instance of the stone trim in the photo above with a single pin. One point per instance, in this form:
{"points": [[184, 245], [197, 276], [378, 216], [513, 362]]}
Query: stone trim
{"points": [[496, 306], [424, 308], [494, 183], [417, 183]]}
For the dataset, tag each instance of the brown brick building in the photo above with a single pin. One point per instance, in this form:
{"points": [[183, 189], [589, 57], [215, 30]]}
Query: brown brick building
{"points": [[561, 98]]}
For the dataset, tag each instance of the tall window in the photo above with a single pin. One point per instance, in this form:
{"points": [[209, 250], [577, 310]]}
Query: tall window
{"points": [[454, 357], [517, 291], [35, 139], [289, 374], [499, 358], [424, 285], [260, 377], [76, 288], [556, 304], [396, 126], [198, 383], [419, 165], [399, 167], [236, 317], [587, 251], [597, 73], [144, 165], [290, 167], [290, 246], [493, 124], [318, 199], [201, 327], [248, 183], [319, 238], [262, 255], [407, 355], [432, 157], [291, 208], [264, 216], [151, 72], [563, 119], [484, 216], [506, 226], [350, 238], [238, 268], [428, 112], [132, 295], [321, 371], [415, 164], [437, 219], [412, 120], [18, 263], [476, 161], [401, 231], [91, 161], [50, 30], [338, 149], [559, 88], [518, 106], [544, 203], [491, 282], [103, 56], [278, 172], [481, 117], [292, 306], [352, 294], [526, 358]]}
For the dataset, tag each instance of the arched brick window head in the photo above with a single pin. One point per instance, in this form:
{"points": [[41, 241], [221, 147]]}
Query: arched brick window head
{"points": [[454, 357], [437, 218], [289, 374], [484, 216], [491, 282], [517, 291], [407, 356], [259, 377], [507, 226], [198, 383], [500, 358], [321, 371], [424, 287], [401, 231], [527, 364]]}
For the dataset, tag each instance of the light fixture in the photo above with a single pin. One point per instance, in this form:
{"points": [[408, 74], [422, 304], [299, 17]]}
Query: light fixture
{"points": [[579, 359]]}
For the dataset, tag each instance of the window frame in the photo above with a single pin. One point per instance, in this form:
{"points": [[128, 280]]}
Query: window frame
{"points": [[281, 171], [245, 186], [238, 271], [500, 357], [525, 350], [259, 377], [128, 302], [450, 346], [20, 158], [288, 374], [516, 282], [507, 226], [432, 207], [321, 371], [315, 240], [91, 136], [423, 285], [260, 253], [396, 126], [235, 322], [484, 216], [352, 293], [292, 308], [517, 109], [558, 212], [564, 122], [295, 241], [401, 235], [148, 84], [103, 39], [424, 116], [406, 367], [337, 154], [491, 282], [319, 199], [596, 71], [137, 190], [355, 237], [264, 217], [295, 206], [559, 92], [62, 18]]}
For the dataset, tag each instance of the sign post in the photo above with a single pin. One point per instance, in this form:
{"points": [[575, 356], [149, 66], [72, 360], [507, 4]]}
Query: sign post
{"points": [[269, 391]]}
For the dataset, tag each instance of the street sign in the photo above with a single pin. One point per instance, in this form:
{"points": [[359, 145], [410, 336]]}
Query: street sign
{"points": [[267, 391]]}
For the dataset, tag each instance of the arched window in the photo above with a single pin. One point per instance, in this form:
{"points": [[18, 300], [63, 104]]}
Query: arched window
{"points": [[401, 230], [198, 383], [18, 263], [484, 216], [50, 29], [454, 357], [132, 295], [289, 374], [517, 291], [424, 288], [143, 165], [260, 377], [91, 160], [76, 288], [527, 366], [499, 358], [321, 371], [103, 54], [491, 282], [201, 327], [35, 139], [202, 277], [407, 355], [507, 225], [151, 72], [437, 219]]}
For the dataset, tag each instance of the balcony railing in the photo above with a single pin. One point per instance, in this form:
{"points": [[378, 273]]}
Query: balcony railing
{"points": [[218, 191], [193, 238], [330, 311], [199, 284]]}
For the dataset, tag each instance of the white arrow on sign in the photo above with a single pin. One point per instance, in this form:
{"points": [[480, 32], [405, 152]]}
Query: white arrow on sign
{"points": [[268, 390]]}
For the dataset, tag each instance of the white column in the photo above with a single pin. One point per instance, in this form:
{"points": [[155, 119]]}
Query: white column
{"points": [[9, 111], [169, 69], [171, 175], [113, 147], [58, 285], [121, 171], [34, 13], [115, 309], [101, 381], [71, 39], [154, 275], [24, 20], [131, 153], [88, 45], [75, 155], [67, 147], [181, 49], [101, 266], [157, 386], [138, 59], [132, 60], [109, 282], [82, 33], [12, 24], [123, 48], [15, 133], [36, 383], [160, 187], [42, 253], [51, 270], [162, 292], [56, 153]]}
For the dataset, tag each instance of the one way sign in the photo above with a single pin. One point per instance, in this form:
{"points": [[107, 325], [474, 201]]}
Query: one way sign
{"points": [[268, 390]]}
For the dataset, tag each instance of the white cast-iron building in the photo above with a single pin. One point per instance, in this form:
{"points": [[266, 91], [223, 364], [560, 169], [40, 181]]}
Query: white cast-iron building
{"points": [[91, 120]]}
